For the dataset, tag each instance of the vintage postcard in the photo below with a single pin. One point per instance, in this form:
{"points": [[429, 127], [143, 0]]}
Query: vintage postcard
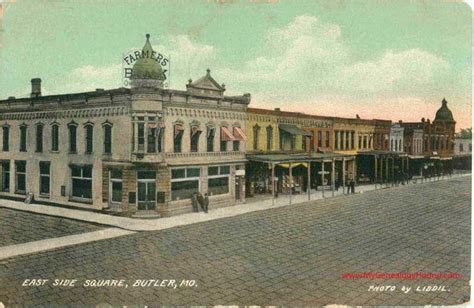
{"points": [[235, 153]]}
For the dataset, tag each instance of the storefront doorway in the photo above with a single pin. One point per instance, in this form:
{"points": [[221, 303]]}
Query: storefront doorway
{"points": [[146, 188]]}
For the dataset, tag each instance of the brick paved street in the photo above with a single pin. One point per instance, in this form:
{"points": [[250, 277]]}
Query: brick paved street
{"points": [[291, 255], [20, 227]]}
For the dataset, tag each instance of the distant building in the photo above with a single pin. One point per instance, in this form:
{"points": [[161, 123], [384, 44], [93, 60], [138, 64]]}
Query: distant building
{"points": [[396, 138]]}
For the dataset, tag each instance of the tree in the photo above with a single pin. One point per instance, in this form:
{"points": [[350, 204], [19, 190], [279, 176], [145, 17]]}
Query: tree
{"points": [[465, 133]]}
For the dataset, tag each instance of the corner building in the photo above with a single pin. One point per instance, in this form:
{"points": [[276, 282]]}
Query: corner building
{"points": [[138, 151]]}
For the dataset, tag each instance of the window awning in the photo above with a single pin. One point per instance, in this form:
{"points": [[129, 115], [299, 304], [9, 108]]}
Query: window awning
{"points": [[195, 130], [226, 135], [239, 134], [293, 130], [178, 128]]}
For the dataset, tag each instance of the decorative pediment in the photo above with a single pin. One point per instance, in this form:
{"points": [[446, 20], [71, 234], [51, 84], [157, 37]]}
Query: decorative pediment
{"points": [[205, 85]]}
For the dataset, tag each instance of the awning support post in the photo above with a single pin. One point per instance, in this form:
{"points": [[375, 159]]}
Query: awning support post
{"points": [[309, 180], [291, 183], [333, 176], [375, 168], [322, 177], [273, 184], [343, 175]]}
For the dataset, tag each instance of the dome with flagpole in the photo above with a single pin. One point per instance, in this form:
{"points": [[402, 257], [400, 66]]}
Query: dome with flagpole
{"points": [[146, 71]]}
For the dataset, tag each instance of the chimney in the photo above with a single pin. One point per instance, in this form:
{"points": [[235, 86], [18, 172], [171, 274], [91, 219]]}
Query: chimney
{"points": [[400, 122], [36, 87], [277, 109]]}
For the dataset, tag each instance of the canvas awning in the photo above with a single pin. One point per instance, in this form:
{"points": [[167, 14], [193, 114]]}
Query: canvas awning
{"points": [[195, 130], [226, 135], [239, 134], [293, 130]]}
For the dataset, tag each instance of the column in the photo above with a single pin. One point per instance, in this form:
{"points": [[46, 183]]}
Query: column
{"points": [[291, 182], [343, 140], [333, 176], [386, 171], [273, 184], [322, 177], [343, 175], [309, 180]]}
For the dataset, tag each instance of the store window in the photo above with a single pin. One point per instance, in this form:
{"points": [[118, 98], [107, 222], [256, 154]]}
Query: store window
{"points": [[45, 179], [218, 180], [116, 185], [81, 176], [184, 182], [20, 176]]}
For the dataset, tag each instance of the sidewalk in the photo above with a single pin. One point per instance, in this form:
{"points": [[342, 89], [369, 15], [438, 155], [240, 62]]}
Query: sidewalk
{"points": [[133, 224]]}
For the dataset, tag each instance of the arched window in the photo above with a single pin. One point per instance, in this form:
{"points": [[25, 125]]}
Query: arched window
{"points": [[6, 137], [72, 127], [89, 135], [107, 126], [211, 132], [178, 137], [23, 136], [256, 132], [269, 137], [391, 145], [55, 137], [39, 137], [195, 133]]}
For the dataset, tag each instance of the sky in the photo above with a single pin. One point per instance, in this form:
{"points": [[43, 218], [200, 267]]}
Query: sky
{"points": [[381, 59]]}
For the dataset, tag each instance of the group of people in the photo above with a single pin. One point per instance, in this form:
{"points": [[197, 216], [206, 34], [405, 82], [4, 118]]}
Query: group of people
{"points": [[198, 200]]}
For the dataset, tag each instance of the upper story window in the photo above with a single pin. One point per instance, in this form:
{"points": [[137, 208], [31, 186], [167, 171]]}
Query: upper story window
{"points": [[256, 132], [269, 137], [39, 137], [461, 147], [239, 136], [6, 138], [347, 140], [320, 138], [211, 132], [470, 147], [336, 140], [195, 133], [55, 137], [89, 134], [107, 126], [72, 127], [327, 139], [226, 136], [23, 136], [178, 137]]}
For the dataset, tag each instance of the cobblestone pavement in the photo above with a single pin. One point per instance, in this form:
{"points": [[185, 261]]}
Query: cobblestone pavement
{"points": [[292, 255], [20, 227]]}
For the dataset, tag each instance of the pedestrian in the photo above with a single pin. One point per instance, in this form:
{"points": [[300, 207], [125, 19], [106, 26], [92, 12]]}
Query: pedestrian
{"points": [[194, 202], [201, 200], [206, 202], [352, 186]]}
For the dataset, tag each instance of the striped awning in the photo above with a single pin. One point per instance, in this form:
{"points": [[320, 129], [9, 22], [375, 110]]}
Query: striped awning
{"points": [[239, 134], [226, 135], [178, 128]]}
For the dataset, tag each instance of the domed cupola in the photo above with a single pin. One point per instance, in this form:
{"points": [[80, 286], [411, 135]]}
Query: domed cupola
{"points": [[443, 113], [146, 71]]}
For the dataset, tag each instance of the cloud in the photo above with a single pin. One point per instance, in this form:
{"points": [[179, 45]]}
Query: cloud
{"points": [[308, 58], [192, 58]]}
